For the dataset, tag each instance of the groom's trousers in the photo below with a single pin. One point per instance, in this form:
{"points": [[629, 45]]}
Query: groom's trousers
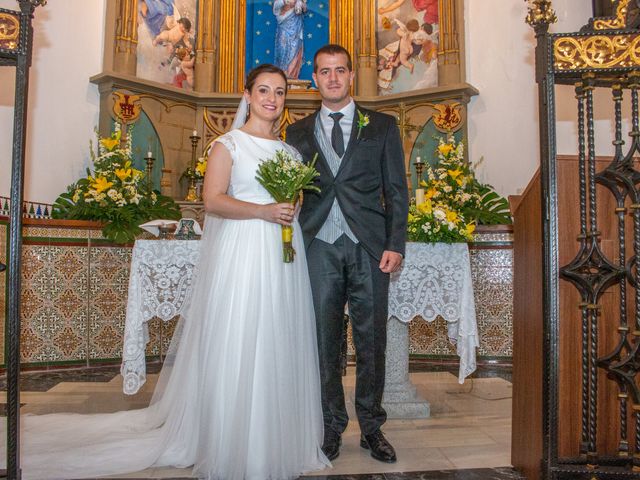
{"points": [[340, 273]]}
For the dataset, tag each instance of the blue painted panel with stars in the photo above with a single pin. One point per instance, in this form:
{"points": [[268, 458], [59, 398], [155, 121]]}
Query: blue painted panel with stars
{"points": [[262, 24]]}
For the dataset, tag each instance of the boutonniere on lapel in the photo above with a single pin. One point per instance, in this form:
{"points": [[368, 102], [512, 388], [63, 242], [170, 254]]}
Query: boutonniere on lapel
{"points": [[363, 121]]}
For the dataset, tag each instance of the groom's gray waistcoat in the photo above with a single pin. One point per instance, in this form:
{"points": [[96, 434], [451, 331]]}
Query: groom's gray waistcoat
{"points": [[335, 225]]}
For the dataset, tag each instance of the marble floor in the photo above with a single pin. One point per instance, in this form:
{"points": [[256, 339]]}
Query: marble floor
{"points": [[468, 435]]}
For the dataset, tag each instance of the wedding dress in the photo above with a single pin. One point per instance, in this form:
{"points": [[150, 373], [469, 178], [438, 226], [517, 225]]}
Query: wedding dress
{"points": [[239, 394]]}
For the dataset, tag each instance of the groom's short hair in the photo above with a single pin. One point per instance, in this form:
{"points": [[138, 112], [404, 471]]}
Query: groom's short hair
{"points": [[332, 49]]}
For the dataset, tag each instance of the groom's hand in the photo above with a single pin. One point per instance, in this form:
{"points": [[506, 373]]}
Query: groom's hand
{"points": [[390, 261]]}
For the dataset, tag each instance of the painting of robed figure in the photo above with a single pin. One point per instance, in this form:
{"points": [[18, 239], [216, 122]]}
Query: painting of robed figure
{"points": [[289, 41], [286, 33]]}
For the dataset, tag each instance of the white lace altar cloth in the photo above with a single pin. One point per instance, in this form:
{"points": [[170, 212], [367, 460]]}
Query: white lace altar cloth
{"points": [[435, 280], [159, 285]]}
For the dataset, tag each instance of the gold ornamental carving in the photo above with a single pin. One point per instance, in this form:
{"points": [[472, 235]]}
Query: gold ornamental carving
{"points": [[126, 107], [290, 116], [598, 51], [540, 13], [447, 116], [217, 122], [227, 54], [613, 23], [341, 24], [9, 31]]}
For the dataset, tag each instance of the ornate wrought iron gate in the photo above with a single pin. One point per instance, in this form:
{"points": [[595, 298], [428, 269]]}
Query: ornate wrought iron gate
{"points": [[605, 54]]}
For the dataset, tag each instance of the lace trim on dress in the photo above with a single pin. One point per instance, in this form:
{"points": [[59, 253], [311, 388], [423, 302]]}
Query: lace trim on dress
{"points": [[228, 141]]}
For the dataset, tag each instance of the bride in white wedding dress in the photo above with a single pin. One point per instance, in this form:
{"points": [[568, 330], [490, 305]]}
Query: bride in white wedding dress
{"points": [[239, 395]]}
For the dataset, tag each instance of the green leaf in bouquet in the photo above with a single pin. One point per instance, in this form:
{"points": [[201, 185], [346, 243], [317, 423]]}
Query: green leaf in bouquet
{"points": [[493, 209]]}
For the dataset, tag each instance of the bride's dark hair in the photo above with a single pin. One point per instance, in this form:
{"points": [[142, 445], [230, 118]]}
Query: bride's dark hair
{"points": [[264, 68]]}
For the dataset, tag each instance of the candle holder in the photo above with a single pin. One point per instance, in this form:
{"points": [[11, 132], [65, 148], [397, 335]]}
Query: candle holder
{"points": [[419, 167], [192, 194], [419, 192], [149, 159]]}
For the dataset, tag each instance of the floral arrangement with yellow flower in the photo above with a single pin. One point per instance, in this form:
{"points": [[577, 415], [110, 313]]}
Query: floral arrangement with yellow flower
{"points": [[196, 172], [454, 201], [115, 192]]}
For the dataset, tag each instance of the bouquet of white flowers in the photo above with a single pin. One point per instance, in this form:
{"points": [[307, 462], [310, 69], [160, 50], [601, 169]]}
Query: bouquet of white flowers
{"points": [[284, 177]]}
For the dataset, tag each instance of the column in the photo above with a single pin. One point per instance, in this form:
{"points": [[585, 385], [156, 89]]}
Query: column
{"points": [[400, 399], [450, 68], [232, 18], [126, 38], [342, 24], [367, 50], [204, 75]]}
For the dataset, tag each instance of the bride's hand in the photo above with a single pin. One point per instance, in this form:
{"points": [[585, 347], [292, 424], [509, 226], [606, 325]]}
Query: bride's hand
{"points": [[281, 213]]}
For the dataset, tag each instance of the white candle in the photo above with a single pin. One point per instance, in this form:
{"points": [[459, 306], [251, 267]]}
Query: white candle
{"points": [[195, 133], [419, 196], [149, 154], [418, 160]]}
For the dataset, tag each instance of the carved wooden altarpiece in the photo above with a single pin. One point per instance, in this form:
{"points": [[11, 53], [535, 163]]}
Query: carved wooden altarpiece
{"points": [[219, 76]]}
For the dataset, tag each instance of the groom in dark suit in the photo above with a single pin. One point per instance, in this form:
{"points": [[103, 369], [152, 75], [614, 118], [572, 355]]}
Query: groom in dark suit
{"points": [[354, 232]]}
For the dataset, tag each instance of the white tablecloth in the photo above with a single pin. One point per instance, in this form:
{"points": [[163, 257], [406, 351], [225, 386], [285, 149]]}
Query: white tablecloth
{"points": [[159, 285], [435, 280]]}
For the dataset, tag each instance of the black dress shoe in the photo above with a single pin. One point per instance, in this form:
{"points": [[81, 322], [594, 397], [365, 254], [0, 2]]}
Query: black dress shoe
{"points": [[331, 444], [380, 448]]}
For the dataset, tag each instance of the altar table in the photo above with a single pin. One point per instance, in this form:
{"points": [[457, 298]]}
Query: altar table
{"points": [[435, 280]]}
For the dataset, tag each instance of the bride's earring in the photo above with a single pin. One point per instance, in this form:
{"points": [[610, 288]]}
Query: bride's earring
{"points": [[248, 112]]}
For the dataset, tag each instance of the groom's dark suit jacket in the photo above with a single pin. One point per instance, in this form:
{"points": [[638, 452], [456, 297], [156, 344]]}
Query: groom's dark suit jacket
{"points": [[370, 184]]}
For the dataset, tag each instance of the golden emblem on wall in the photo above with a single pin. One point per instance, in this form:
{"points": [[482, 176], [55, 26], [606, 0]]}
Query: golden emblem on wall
{"points": [[613, 23], [126, 107], [598, 51], [447, 116], [9, 31]]}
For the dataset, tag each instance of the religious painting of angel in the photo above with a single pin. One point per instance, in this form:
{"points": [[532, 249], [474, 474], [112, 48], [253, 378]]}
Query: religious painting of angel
{"points": [[407, 38], [166, 41], [287, 33]]}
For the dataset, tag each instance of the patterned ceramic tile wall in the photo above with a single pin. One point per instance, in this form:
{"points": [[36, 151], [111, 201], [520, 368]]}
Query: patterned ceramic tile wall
{"points": [[155, 337], [109, 281], [492, 273], [167, 334], [53, 306], [58, 233], [75, 293]]}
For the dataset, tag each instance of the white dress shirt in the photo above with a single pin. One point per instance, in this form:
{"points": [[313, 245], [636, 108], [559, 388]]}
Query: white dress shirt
{"points": [[346, 122]]}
